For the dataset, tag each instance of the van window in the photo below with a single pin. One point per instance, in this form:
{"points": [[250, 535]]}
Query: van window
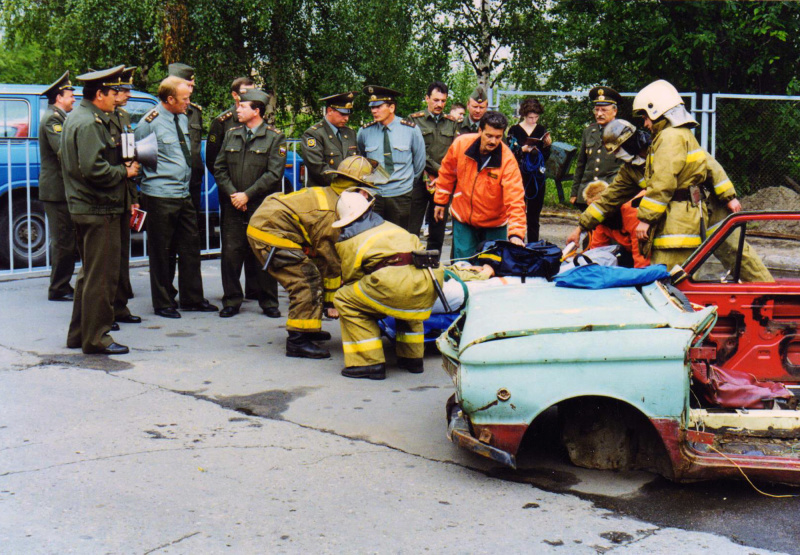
{"points": [[138, 108], [15, 119]]}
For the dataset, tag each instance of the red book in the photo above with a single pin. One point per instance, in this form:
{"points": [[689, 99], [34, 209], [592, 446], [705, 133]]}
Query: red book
{"points": [[137, 219]]}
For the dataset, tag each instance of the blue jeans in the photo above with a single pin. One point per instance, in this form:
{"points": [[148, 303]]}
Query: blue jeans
{"points": [[467, 238]]}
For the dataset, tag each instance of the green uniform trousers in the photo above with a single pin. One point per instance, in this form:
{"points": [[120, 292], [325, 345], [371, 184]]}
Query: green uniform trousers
{"points": [[172, 223], [361, 336], [124, 288], [303, 282], [394, 209], [92, 310], [236, 252], [467, 238], [62, 248]]}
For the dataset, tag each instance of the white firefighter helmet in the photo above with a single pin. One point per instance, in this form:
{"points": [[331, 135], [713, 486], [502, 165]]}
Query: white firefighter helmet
{"points": [[660, 98], [352, 204], [655, 99]]}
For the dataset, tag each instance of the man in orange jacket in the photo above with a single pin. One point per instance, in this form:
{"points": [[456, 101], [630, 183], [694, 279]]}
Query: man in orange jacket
{"points": [[482, 175]]}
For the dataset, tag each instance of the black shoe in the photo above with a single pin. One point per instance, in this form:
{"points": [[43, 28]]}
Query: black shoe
{"points": [[373, 372], [319, 335], [229, 311], [168, 312], [413, 365], [204, 306], [130, 319], [114, 327], [66, 297], [114, 349], [272, 312], [299, 345]]}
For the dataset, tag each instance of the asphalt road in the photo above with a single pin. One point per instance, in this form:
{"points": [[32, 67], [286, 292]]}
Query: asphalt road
{"points": [[206, 439]]}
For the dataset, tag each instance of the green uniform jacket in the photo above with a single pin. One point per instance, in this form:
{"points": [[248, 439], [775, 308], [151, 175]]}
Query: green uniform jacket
{"points": [[254, 168], [675, 162], [438, 137], [120, 122], [195, 114], [302, 220], [216, 134], [594, 162], [322, 150], [94, 176], [51, 183], [405, 292], [465, 126]]}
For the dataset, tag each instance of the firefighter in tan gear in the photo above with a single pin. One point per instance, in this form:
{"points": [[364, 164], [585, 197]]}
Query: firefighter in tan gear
{"points": [[292, 235], [380, 279], [630, 145]]}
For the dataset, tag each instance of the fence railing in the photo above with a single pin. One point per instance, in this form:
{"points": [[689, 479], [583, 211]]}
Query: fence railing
{"points": [[24, 233]]}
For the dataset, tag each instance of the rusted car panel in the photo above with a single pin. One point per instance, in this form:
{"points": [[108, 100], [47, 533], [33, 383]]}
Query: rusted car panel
{"points": [[757, 328], [519, 351]]}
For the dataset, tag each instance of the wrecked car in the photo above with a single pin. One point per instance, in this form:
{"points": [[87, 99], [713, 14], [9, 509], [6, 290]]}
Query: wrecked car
{"points": [[621, 367], [757, 322]]}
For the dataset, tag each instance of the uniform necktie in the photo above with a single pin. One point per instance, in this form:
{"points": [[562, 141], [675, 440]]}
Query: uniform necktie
{"points": [[388, 163], [182, 141], [249, 135]]}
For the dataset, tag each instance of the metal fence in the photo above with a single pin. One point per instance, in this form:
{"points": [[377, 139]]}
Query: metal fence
{"points": [[756, 138], [24, 233]]}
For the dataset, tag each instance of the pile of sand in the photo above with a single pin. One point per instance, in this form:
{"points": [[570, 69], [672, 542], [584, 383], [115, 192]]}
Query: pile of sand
{"points": [[775, 198]]}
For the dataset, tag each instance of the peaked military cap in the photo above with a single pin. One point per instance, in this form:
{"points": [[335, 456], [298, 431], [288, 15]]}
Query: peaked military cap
{"points": [[604, 96], [255, 95], [479, 95], [340, 102], [181, 70], [379, 95], [126, 79], [62, 84], [105, 77]]}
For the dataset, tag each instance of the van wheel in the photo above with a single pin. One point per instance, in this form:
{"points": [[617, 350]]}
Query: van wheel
{"points": [[21, 235]]}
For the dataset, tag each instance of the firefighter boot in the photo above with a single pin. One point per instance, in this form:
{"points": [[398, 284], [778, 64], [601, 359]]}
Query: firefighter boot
{"points": [[413, 365], [319, 335], [299, 345], [373, 371]]}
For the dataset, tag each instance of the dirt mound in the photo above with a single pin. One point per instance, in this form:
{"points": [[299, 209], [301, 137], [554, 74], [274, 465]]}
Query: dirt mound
{"points": [[775, 198]]}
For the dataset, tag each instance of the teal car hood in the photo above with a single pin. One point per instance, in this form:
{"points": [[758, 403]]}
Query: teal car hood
{"points": [[542, 309]]}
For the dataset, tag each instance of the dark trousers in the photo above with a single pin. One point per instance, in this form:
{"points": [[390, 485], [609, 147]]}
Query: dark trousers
{"points": [[236, 252], [172, 222], [62, 248], [124, 288], [394, 209], [422, 209], [92, 310], [534, 200]]}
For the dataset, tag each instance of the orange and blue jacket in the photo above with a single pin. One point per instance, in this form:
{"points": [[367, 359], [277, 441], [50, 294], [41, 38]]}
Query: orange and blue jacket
{"points": [[491, 196]]}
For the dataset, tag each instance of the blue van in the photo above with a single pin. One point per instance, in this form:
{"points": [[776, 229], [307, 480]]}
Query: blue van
{"points": [[23, 229]]}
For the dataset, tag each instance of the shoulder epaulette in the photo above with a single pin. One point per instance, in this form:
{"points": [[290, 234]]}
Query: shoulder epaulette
{"points": [[315, 126], [122, 110], [370, 124], [417, 114], [97, 119], [150, 116], [235, 128], [225, 116], [197, 106], [408, 123], [451, 118], [272, 128]]}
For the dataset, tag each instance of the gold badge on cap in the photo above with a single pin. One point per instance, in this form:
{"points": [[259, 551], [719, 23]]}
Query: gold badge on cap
{"points": [[350, 96], [373, 97], [370, 90], [600, 92]]}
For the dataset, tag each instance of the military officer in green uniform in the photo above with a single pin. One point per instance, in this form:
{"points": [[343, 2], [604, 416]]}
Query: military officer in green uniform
{"points": [[595, 163], [248, 168], [438, 131], [225, 121], [94, 180], [326, 143], [60, 100], [120, 121], [477, 104]]}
